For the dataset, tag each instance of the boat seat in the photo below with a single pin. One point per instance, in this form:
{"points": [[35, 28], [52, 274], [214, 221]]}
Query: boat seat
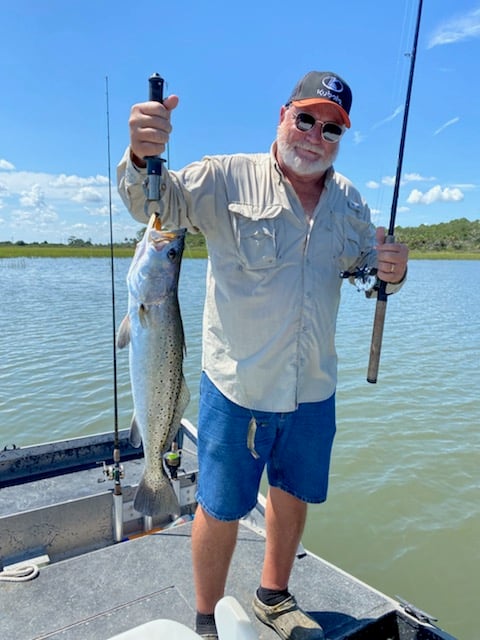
{"points": [[231, 620], [157, 630]]}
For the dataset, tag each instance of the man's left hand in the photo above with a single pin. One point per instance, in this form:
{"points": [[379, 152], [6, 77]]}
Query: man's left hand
{"points": [[392, 258]]}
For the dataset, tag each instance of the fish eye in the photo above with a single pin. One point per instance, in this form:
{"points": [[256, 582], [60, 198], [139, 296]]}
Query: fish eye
{"points": [[171, 254]]}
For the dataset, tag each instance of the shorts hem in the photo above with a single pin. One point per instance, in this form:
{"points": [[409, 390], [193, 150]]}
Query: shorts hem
{"points": [[223, 518], [308, 500]]}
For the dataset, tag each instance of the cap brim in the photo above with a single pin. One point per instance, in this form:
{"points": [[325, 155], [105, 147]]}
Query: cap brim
{"points": [[308, 102]]}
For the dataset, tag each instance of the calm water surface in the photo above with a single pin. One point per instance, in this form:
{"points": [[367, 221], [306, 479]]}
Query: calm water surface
{"points": [[404, 507]]}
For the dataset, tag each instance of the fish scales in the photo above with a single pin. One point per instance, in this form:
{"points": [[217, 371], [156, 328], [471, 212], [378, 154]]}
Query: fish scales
{"points": [[153, 330]]}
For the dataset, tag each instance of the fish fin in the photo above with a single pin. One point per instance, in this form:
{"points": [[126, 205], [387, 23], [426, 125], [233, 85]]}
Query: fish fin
{"points": [[123, 336], [182, 401], [135, 436], [156, 498], [143, 315]]}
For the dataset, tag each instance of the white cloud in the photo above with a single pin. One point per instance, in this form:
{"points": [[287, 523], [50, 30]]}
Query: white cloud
{"points": [[371, 184], [458, 28], [76, 181], [465, 186], [416, 177], [56, 187], [35, 197], [358, 137], [444, 126], [87, 194], [6, 165], [389, 181], [435, 194], [35, 218], [44, 206], [103, 211]]}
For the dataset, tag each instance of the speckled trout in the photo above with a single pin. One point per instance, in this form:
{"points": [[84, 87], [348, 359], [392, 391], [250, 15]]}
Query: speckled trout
{"points": [[154, 332]]}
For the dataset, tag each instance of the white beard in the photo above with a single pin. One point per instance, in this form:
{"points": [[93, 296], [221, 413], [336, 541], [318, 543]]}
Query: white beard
{"points": [[301, 166]]}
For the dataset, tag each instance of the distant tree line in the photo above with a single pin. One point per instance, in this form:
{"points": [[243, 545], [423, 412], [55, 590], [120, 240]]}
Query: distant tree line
{"points": [[456, 235]]}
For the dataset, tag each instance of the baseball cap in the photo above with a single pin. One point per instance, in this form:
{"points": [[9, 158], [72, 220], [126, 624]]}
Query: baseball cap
{"points": [[323, 86]]}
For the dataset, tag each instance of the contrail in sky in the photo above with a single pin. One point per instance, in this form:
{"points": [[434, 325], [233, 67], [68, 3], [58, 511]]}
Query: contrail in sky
{"points": [[397, 112], [447, 124], [462, 27]]}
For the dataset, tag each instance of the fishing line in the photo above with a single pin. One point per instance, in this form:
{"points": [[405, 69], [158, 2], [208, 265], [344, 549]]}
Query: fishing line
{"points": [[399, 81]]}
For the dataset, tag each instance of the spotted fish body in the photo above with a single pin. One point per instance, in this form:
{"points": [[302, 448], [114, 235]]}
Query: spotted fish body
{"points": [[154, 332]]}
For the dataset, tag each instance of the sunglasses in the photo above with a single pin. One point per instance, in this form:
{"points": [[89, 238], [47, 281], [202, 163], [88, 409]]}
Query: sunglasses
{"points": [[331, 131]]}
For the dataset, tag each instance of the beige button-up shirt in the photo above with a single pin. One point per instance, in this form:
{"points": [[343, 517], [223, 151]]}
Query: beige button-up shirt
{"points": [[273, 285]]}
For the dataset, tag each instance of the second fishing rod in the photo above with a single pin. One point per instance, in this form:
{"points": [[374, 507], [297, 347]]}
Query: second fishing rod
{"points": [[381, 305]]}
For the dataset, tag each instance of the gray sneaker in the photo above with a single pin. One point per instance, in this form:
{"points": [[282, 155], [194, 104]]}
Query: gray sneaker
{"points": [[288, 620]]}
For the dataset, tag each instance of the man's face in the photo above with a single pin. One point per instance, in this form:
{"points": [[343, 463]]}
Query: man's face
{"points": [[306, 153]]}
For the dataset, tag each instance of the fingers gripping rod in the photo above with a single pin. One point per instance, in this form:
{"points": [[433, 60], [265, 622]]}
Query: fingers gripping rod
{"points": [[154, 163]]}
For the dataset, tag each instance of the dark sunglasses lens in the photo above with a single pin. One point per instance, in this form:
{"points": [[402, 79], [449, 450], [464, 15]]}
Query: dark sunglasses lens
{"points": [[332, 132], [304, 121]]}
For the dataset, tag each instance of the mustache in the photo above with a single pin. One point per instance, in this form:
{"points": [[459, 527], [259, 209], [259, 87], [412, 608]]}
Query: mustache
{"points": [[282, 137], [305, 146]]}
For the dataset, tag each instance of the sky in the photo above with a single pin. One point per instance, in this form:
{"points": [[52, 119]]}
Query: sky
{"points": [[232, 65]]}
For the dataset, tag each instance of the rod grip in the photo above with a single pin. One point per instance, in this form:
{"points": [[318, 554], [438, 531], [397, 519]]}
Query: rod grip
{"points": [[155, 83], [377, 336], [154, 163], [378, 324]]}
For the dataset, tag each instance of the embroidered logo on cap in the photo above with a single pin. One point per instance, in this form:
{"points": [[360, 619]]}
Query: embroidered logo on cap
{"points": [[332, 83]]}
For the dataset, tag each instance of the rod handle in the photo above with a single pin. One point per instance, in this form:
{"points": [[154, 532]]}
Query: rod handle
{"points": [[378, 324], [155, 90], [154, 163], [377, 336]]}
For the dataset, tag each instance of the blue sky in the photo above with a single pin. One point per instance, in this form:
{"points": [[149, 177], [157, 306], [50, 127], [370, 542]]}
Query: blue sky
{"points": [[232, 65]]}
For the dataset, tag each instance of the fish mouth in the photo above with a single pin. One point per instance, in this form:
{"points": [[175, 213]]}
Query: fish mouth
{"points": [[155, 222], [157, 236]]}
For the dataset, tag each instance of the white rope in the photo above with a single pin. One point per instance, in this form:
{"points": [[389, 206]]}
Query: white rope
{"points": [[20, 574]]}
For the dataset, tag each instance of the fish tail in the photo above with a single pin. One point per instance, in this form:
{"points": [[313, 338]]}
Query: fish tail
{"points": [[156, 498]]}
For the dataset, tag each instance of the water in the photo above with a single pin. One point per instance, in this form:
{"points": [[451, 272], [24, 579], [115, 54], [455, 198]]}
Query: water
{"points": [[403, 512]]}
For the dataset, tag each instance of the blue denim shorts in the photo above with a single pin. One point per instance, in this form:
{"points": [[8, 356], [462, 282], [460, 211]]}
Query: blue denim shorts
{"points": [[295, 447]]}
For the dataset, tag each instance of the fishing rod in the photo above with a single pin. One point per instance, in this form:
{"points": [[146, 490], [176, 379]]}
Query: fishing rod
{"points": [[381, 306], [114, 472]]}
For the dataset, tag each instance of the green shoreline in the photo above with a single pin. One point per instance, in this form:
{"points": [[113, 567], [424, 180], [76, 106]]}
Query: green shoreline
{"points": [[102, 251], [64, 251]]}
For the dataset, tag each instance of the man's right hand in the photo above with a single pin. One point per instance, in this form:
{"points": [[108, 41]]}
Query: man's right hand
{"points": [[150, 128]]}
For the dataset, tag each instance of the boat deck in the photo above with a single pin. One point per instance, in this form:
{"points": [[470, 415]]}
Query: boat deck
{"points": [[110, 590], [93, 589]]}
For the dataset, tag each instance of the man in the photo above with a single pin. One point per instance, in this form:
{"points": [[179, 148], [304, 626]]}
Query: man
{"points": [[280, 227]]}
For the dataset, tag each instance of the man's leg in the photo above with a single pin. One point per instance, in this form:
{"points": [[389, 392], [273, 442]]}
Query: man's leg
{"points": [[213, 543], [285, 521], [273, 604]]}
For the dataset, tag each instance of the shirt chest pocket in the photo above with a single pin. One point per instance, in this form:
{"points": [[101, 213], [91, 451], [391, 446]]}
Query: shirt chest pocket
{"points": [[351, 235], [256, 234]]}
